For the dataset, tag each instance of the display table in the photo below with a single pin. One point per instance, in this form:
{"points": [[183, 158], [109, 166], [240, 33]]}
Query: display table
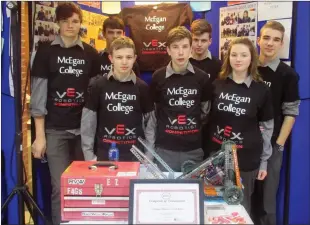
{"points": [[216, 212]]}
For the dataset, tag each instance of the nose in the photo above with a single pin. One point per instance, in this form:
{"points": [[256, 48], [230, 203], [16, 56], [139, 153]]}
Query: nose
{"points": [[181, 51], [124, 61], [270, 42], [70, 23], [199, 43]]}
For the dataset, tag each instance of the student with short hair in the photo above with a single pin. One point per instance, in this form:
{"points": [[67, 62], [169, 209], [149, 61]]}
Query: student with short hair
{"points": [[201, 56], [283, 82], [112, 28], [60, 75], [180, 92], [118, 107], [241, 103]]}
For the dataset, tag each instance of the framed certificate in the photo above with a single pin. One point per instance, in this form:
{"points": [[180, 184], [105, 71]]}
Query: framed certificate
{"points": [[166, 202]]}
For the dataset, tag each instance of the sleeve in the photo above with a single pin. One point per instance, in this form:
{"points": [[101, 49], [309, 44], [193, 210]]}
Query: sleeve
{"points": [[95, 70], [266, 130], [88, 133], [150, 124], [291, 99], [147, 104], [154, 89], [93, 97], [265, 109], [40, 66], [207, 89], [38, 97]]}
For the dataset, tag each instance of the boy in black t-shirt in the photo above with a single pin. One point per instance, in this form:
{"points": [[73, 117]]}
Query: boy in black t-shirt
{"points": [[60, 75], [119, 103], [112, 28], [201, 57], [180, 92], [283, 81]]}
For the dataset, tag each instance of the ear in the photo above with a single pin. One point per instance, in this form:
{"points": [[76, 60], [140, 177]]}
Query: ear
{"points": [[258, 40], [111, 58], [135, 57], [168, 50], [210, 41]]}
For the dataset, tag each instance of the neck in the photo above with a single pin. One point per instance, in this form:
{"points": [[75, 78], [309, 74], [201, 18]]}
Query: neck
{"points": [[178, 69], [264, 60], [69, 41], [199, 56], [239, 77], [120, 77]]}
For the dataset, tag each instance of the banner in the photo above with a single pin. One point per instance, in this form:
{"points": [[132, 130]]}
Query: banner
{"points": [[237, 21]]}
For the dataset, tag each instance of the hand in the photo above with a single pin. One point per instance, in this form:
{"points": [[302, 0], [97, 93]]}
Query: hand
{"points": [[261, 175], [39, 148], [94, 159]]}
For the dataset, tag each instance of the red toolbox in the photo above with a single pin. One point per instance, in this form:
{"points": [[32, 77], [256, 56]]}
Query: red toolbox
{"points": [[97, 190]]}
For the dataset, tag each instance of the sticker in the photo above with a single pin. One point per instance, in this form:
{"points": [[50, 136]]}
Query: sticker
{"points": [[126, 174], [98, 202]]}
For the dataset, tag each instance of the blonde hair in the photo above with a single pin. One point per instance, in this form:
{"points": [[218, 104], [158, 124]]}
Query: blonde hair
{"points": [[252, 70], [122, 42], [274, 25], [177, 34]]}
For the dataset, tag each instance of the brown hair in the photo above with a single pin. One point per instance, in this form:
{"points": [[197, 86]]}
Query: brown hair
{"points": [[252, 70], [113, 22], [122, 42], [201, 26], [274, 25], [177, 34], [65, 10]]}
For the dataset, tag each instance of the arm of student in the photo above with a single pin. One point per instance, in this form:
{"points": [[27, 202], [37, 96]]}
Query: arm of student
{"points": [[205, 109], [266, 130], [290, 106], [88, 133], [89, 118]]}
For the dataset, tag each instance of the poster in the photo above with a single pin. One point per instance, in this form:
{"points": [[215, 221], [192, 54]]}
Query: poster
{"points": [[285, 51], [237, 21], [46, 28], [274, 10]]}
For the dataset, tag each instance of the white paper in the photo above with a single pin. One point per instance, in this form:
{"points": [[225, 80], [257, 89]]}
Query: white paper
{"points": [[200, 6], [111, 7], [274, 10], [284, 52], [166, 203]]}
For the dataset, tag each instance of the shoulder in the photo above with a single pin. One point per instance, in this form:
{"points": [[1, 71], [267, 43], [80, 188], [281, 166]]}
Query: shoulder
{"points": [[260, 87], [98, 81], [89, 49], [159, 74], [142, 85], [217, 61], [287, 71], [200, 74]]}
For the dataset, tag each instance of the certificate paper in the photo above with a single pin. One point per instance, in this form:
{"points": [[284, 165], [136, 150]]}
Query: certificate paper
{"points": [[166, 203]]}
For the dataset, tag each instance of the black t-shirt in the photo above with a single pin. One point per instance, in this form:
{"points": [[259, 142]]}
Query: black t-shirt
{"points": [[235, 115], [120, 107], [178, 101], [210, 66], [284, 87], [68, 71], [106, 65]]}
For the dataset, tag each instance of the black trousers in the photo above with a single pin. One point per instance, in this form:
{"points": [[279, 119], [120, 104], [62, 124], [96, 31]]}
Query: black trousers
{"points": [[62, 148]]}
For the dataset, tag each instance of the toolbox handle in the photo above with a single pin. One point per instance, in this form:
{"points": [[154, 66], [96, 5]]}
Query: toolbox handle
{"points": [[103, 164]]}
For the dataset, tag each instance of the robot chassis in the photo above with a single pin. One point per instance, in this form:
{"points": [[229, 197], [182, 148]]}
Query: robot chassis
{"points": [[220, 172]]}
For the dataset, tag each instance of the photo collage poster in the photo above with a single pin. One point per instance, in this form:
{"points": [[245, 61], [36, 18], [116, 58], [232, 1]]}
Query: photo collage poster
{"points": [[46, 28], [237, 21]]}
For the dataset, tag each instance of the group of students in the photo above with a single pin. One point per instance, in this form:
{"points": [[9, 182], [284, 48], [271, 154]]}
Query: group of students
{"points": [[83, 101]]}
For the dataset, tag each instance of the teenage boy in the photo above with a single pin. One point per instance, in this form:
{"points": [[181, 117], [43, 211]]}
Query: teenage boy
{"points": [[61, 72], [180, 92], [119, 103], [201, 56], [283, 81], [112, 28]]}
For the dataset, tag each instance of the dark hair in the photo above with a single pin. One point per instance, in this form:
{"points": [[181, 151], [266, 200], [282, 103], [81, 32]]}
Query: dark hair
{"points": [[201, 26], [65, 10], [252, 70], [113, 22], [177, 34]]}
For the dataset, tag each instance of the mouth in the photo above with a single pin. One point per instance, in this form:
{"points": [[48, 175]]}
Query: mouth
{"points": [[180, 60], [238, 65], [124, 68]]}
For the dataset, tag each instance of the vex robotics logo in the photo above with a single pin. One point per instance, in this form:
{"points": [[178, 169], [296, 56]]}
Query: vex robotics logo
{"points": [[181, 125], [227, 133], [121, 134], [154, 47], [70, 97]]}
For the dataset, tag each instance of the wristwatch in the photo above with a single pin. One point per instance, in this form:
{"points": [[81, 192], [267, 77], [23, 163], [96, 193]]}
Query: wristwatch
{"points": [[280, 148]]}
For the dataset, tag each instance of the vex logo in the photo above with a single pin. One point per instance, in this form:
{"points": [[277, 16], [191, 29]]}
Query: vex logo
{"points": [[70, 93], [182, 120], [227, 131], [120, 129], [154, 43], [76, 181]]}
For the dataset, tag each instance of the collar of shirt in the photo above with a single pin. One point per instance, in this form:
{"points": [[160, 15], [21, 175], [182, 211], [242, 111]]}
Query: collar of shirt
{"points": [[59, 41], [273, 64], [248, 80], [104, 51], [170, 71], [208, 55], [131, 77]]}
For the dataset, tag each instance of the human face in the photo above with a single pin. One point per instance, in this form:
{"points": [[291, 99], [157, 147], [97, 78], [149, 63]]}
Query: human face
{"points": [[70, 27], [270, 42], [201, 43], [122, 60], [240, 58], [111, 34], [179, 52]]}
